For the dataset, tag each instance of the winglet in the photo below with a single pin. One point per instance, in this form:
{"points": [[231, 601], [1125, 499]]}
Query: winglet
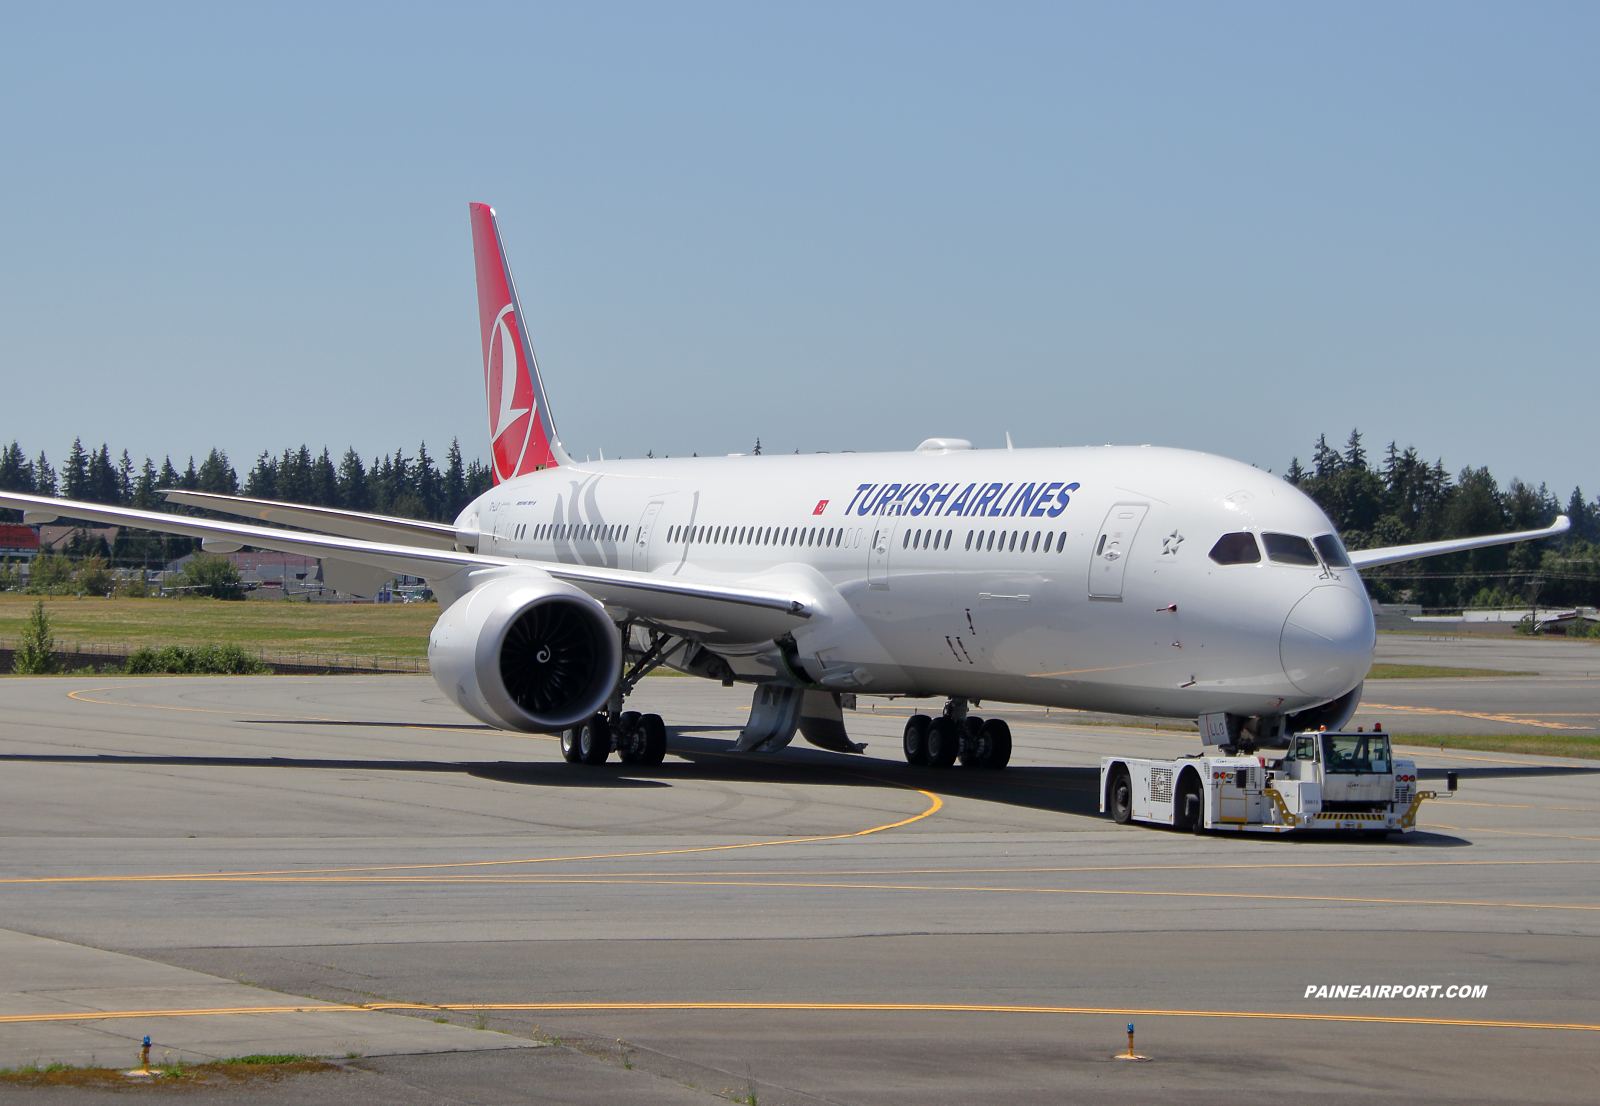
{"points": [[521, 429]]}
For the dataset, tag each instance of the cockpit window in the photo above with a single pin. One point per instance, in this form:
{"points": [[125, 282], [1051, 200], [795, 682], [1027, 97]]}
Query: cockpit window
{"points": [[1332, 550], [1236, 549], [1289, 549]]}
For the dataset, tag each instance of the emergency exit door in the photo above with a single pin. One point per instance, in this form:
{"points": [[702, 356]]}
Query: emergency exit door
{"points": [[641, 537], [1109, 562], [882, 531]]}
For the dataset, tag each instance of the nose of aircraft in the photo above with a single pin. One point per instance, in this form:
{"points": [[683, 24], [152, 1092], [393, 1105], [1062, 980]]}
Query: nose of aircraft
{"points": [[1327, 641]]}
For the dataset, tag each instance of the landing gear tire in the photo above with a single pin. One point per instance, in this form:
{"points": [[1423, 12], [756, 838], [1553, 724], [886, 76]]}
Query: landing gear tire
{"points": [[569, 746], [1119, 796], [628, 737], [593, 739], [655, 740], [944, 743], [993, 745], [915, 740]]}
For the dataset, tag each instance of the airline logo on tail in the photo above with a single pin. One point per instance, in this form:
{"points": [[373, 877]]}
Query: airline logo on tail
{"points": [[520, 429]]}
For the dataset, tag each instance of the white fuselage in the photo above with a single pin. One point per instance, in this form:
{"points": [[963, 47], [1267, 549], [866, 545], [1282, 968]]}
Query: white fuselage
{"points": [[978, 573]]}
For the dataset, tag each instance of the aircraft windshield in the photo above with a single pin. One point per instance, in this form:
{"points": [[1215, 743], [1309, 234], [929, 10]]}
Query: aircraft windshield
{"points": [[1332, 550], [1355, 752], [1289, 549]]}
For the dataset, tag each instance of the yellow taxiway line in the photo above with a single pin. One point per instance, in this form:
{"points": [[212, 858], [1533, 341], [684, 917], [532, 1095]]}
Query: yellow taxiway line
{"points": [[780, 1007]]}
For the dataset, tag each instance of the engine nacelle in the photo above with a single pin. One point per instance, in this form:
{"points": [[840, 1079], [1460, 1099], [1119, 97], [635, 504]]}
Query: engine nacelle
{"points": [[526, 652]]}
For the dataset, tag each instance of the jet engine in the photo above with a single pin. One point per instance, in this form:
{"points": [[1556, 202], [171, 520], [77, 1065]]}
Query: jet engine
{"points": [[526, 652]]}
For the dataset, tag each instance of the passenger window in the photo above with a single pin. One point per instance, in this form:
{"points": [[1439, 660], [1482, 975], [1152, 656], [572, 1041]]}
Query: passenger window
{"points": [[1289, 549], [1332, 550], [1235, 549], [1061, 542], [905, 542], [969, 539]]}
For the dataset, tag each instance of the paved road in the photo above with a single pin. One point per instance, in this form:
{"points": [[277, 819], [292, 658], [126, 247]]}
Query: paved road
{"points": [[822, 928]]}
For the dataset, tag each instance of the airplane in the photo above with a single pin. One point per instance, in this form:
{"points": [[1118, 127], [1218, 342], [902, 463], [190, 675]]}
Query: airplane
{"points": [[1129, 580]]}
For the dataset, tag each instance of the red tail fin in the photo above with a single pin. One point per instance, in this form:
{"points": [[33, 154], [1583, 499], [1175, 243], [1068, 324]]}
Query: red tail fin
{"points": [[520, 427]]}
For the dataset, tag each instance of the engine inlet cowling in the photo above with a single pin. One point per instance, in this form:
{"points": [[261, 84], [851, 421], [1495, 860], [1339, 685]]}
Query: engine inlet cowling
{"points": [[526, 653]]}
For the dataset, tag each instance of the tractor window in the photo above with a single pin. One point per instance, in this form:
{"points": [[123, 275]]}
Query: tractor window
{"points": [[1354, 753], [1332, 550], [1289, 549], [1305, 748], [1234, 549]]}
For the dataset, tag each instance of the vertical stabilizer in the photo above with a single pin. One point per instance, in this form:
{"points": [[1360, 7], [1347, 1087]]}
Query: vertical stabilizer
{"points": [[522, 433]]}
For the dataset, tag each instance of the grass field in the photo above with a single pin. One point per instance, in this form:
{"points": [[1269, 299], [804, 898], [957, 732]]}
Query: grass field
{"points": [[356, 629], [1586, 747], [1432, 672]]}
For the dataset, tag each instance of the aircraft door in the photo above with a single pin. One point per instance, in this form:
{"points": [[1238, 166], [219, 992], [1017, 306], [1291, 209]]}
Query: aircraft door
{"points": [[1109, 561], [642, 534], [882, 531]]}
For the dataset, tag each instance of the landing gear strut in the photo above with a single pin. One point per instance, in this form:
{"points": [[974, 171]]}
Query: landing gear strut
{"points": [[937, 742], [637, 738]]}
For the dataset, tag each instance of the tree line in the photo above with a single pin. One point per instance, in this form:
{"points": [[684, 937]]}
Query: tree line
{"points": [[1397, 500], [1404, 499]]}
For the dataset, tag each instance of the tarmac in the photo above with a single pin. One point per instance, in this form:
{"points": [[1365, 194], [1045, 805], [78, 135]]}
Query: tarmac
{"points": [[348, 865]]}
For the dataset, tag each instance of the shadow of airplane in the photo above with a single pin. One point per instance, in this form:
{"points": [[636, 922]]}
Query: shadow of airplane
{"points": [[1058, 790]]}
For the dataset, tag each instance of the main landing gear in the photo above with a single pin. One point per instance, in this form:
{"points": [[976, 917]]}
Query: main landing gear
{"points": [[938, 742], [637, 738]]}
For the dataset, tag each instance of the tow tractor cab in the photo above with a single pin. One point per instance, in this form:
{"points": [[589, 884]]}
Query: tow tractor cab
{"points": [[1347, 782]]}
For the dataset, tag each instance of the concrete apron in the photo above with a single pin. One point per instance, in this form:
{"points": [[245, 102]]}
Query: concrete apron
{"points": [[39, 976]]}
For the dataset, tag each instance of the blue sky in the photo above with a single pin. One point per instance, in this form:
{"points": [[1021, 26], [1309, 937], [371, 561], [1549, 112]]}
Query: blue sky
{"points": [[1225, 227]]}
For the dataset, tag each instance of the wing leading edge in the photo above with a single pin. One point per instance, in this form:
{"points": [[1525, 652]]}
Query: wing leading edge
{"points": [[731, 608], [1370, 558]]}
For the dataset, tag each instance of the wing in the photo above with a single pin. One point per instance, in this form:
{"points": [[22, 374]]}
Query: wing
{"points": [[324, 520], [1368, 558], [732, 611]]}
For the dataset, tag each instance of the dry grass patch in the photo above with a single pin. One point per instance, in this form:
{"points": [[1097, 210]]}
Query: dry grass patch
{"points": [[1580, 746], [354, 629]]}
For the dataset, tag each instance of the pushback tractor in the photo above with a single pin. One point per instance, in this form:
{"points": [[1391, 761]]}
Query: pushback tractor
{"points": [[1341, 782]]}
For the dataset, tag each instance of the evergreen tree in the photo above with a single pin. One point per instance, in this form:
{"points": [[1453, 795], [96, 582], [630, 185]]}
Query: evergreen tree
{"points": [[455, 481], [354, 492], [44, 477], [426, 485], [16, 474], [262, 483], [169, 476], [144, 489], [35, 655], [190, 481], [217, 475], [479, 480], [325, 482], [125, 478], [102, 477], [75, 474]]}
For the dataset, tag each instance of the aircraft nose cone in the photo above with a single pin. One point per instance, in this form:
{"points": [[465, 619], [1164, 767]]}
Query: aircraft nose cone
{"points": [[1328, 641]]}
